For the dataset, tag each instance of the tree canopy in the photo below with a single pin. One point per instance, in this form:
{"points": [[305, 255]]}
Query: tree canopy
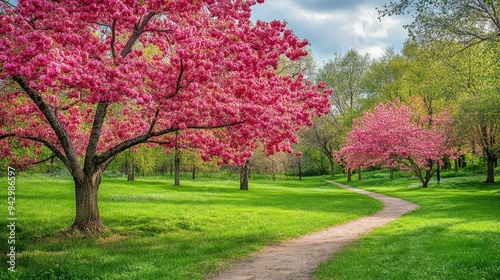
{"points": [[396, 135], [89, 80]]}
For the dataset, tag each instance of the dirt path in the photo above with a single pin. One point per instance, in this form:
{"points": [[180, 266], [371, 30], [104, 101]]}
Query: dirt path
{"points": [[295, 259]]}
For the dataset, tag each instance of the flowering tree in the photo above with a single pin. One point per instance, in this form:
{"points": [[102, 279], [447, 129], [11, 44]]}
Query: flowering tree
{"points": [[394, 135], [91, 79]]}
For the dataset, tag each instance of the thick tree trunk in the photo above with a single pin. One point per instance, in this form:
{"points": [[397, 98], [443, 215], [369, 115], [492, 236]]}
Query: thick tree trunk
{"points": [[244, 170], [360, 174], [490, 174], [87, 210], [349, 175]]}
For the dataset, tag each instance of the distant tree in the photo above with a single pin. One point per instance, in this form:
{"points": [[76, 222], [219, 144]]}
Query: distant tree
{"points": [[385, 79], [478, 114], [345, 74], [273, 165], [324, 135], [466, 21], [396, 135]]}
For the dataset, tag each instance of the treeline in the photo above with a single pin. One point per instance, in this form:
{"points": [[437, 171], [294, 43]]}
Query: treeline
{"points": [[438, 76]]}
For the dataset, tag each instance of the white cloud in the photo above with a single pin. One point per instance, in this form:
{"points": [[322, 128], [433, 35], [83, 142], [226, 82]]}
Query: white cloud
{"points": [[337, 26]]}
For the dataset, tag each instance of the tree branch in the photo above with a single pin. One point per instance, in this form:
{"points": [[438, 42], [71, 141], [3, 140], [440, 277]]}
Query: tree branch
{"points": [[95, 134], [7, 135], [216, 126], [51, 147], [113, 38], [147, 136], [72, 162], [178, 85], [138, 30], [129, 144], [47, 159]]}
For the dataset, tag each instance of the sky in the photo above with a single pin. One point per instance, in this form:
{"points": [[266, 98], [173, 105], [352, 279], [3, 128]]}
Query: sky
{"points": [[336, 26]]}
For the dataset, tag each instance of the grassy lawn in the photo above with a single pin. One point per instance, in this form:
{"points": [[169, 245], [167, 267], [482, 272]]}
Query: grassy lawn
{"points": [[158, 231], [454, 235]]}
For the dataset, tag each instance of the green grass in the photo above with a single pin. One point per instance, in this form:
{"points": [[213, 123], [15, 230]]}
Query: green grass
{"points": [[454, 235], [158, 231]]}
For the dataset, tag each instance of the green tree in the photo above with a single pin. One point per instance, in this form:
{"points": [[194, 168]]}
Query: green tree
{"points": [[385, 80], [346, 74], [479, 106], [467, 21], [325, 135]]}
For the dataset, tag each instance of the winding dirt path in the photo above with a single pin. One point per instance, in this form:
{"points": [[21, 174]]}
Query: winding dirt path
{"points": [[295, 259]]}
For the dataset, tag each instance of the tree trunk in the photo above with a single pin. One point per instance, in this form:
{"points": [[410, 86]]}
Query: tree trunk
{"points": [[177, 169], [360, 174], [349, 175], [87, 210], [490, 174], [425, 184], [438, 173], [332, 167], [300, 170], [244, 170], [391, 173], [194, 171], [131, 174]]}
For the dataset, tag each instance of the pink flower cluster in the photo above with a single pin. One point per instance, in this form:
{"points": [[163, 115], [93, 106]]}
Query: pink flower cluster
{"points": [[392, 135], [159, 65]]}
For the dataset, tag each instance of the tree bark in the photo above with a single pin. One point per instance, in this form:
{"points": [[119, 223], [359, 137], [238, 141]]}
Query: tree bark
{"points": [[131, 173], [177, 169], [244, 170], [391, 173], [349, 175], [87, 210], [194, 171], [360, 174], [490, 174], [332, 167], [300, 169], [438, 174]]}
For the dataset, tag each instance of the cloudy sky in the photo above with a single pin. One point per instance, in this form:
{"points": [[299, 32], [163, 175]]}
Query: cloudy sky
{"points": [[336, 26]]}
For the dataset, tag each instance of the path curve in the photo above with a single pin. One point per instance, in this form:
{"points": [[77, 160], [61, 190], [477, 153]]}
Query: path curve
{"points": [[296, 258]]}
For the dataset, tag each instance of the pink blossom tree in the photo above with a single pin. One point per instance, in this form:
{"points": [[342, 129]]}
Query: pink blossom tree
{"points": [[396, 135], [91, 79]]}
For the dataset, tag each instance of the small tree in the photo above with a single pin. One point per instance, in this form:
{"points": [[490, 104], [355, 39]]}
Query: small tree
{"points": [[394, 135]]}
